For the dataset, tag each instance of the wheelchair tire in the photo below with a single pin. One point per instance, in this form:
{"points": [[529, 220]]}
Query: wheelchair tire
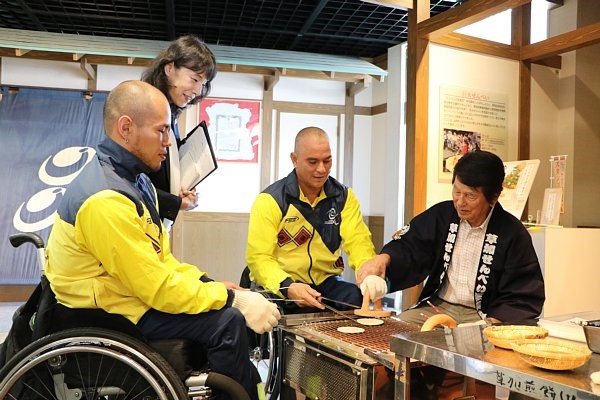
{"points": [[86, 364]]}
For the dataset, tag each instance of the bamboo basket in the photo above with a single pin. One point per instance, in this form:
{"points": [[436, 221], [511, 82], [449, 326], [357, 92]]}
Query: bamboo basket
{"points": [[504, 335], [552, 354]]}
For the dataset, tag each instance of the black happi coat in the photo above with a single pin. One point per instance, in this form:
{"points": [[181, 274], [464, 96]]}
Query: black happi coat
{"points": [[509, 285]]}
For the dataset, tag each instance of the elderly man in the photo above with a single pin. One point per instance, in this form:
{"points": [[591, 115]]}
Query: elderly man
{"points": [[108, 248], [298, 226], [478, 259]]}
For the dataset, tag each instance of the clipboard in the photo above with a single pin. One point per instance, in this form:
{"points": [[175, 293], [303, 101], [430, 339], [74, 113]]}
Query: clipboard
{"points": [[196, 157]]}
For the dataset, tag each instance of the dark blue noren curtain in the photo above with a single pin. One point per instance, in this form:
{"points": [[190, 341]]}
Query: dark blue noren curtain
{"points": [[47, 137]]}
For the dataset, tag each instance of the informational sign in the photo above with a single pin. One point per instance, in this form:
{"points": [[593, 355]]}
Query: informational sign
{"points": [[518, 179], [234, 127], [551, 206], [470, 120], [558, 166]]}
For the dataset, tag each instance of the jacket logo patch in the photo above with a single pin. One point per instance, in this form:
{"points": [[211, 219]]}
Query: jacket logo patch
{"points": [[284, 237], [332, 214], [402, 231], [291, 219]]}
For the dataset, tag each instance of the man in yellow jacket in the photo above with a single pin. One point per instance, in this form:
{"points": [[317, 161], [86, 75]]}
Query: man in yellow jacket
{"points": [[298, 227], [108, 248]]}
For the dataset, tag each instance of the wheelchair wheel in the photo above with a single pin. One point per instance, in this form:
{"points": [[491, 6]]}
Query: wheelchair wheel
{"points": [[86, 364]]}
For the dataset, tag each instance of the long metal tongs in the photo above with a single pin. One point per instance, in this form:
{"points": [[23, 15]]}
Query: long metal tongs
{"points": [[341, 313], [338, 302]]}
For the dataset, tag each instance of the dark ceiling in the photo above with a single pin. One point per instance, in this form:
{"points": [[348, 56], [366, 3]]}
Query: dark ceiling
{"points": [[343, 27]]}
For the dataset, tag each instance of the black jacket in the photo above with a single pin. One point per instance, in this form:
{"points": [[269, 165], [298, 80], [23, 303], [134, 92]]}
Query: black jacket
{"points": [[509, 284]]}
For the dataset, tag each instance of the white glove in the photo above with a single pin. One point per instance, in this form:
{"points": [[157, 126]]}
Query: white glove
{"points": [[261, 315], [376, 285]]}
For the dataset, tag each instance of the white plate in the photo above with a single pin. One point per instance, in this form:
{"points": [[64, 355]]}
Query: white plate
{"points": [[350, 329], [370, 321]]}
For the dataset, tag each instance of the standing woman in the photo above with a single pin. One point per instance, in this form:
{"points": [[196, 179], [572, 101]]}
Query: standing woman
{"points": [[183, 72]]}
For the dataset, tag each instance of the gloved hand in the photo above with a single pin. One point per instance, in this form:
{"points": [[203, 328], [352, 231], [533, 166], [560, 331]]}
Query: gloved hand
{"points": [[261, 315], [376, 285]]}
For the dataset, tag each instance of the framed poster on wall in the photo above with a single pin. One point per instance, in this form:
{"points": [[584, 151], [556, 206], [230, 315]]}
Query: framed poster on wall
{"points": [[470, 119], [234, 128]]}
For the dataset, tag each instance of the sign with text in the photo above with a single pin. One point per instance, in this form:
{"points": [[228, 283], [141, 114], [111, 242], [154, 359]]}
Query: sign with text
{"points": [[470, 120], [234, 128]]}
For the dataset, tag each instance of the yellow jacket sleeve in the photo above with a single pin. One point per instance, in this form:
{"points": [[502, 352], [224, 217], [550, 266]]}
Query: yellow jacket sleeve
{"points": [[355, 233], [132, 251]]}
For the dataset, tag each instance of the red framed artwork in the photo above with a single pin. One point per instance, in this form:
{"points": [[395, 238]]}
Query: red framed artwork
{"points": [[234, 128]]}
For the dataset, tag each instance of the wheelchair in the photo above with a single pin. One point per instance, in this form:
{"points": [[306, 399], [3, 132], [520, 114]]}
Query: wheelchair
{"points": [[89, 354]]}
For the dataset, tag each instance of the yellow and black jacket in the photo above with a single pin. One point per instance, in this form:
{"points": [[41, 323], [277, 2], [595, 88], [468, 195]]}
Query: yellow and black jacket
{"points": [[291, 240], [108, 249]]}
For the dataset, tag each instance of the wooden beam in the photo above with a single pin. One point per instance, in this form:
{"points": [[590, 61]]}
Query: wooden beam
{"points": [[348, 133], [87, 68], [417, 114], [77, 56], [271, 80], [463, 15], [521, 22], [354, 88], [130, 60], [363, 110], [21, 52], [483, 46], [552, 62], [569, 41], [90, 71], [266, 139], [403, 4], [296, 107], [379, 109]]}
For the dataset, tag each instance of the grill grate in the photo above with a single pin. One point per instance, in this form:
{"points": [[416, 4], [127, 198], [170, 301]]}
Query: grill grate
{"points": [[375, 338]]}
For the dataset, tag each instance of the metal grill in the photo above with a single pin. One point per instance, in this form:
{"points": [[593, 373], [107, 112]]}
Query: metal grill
{"points": [[321, 375], [375, 338]]}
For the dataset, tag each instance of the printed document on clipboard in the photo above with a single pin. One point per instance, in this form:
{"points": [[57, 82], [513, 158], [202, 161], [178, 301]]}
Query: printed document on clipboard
{"points": [[196, 157]]}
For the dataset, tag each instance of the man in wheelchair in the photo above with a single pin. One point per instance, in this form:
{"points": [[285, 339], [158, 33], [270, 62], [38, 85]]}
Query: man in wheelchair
{"points": [[108, 249]]}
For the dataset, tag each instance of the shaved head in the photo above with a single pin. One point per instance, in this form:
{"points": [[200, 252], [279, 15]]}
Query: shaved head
{"points": [[312, 160], [133, 98], [137, 117], [309, 132]]}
